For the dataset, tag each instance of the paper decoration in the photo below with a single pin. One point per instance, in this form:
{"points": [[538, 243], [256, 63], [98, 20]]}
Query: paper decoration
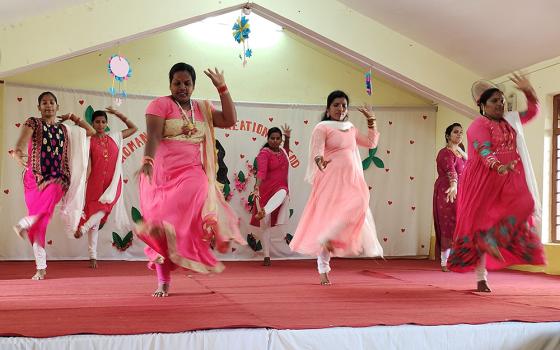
{"points": [[120, 71], [241, 35], [368, 82]]}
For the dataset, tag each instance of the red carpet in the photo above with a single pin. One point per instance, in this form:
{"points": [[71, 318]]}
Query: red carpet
{"points": [[115, 299]]}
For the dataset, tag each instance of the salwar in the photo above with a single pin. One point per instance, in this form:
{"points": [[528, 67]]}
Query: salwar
{"points": [[323, 261], [40, 256]]}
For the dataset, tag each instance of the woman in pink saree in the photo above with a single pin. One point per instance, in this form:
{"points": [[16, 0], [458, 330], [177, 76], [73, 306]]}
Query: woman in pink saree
{"points": [[497, 204], [184, 211], [43, 149]]}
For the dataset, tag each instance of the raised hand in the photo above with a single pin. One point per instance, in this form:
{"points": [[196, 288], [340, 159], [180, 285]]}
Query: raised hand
{"points": [[67, 116], [216, 76], [286, 130], [367, 111]]}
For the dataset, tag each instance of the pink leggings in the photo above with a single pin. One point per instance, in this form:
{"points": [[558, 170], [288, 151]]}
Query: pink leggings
{"points": [[164, 271]]}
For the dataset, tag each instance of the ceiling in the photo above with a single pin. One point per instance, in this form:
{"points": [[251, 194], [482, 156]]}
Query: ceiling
{"points": [[488, 37]]}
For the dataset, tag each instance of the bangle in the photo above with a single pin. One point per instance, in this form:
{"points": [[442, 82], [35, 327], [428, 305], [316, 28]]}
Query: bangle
{"points": [[222, 89], [148, 160], [77, 121]]}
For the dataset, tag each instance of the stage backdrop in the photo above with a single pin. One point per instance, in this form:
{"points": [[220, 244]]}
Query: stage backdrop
{"points": [[399, 172]]}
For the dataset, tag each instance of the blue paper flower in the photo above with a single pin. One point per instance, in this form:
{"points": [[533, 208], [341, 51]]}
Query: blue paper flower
{"points": [[248, 53], [241, 29]]}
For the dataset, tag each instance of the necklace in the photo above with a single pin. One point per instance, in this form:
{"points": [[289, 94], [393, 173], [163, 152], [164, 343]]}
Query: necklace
{"points": [[188, 122]]}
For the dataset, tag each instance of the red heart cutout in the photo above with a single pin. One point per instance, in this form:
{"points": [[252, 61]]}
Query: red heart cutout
{"points": [[241, 156], [19, 99], [254, 138], [18, 125], [411, 178], [305, 121], [125, 181], [403, 229], [413, 208], [425, 117], [422, 246], [6, 191], [270, 118], [81, 102], [227, 135], [10, 152], [49, 242], [390, 122], [370, 188], [385, 239], [411, 142], [296, 142], [387, 170], [388, 152], [389, 202], [233, 249]]}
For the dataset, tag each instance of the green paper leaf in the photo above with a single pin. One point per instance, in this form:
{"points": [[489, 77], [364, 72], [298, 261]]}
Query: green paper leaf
{"points": [[136, 216], [251, 199], [128, 238], [378, 162], [255, 164], [259, 246], [226, 190], [241, 176], [366, 163], [372, 152], [291, 212], [88, 114], [117, 240]]}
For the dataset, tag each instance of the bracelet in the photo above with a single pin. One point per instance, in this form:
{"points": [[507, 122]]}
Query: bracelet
{"points": [[77, 121], [148, 160], [222, 89]]}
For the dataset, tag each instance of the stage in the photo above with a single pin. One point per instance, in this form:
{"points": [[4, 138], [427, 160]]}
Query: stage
{"points": [[116, 299]]}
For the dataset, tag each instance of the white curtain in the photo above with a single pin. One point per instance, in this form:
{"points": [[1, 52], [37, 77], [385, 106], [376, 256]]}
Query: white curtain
{"points": [[400, 195]]}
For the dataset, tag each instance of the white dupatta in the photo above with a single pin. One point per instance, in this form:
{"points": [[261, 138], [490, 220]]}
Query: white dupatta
{"points": [[515, 121]]}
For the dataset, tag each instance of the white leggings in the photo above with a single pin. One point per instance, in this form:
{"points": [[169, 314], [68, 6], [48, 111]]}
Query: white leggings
{"points": [[323, 260], [40, 256], [273, 203], [92, 228], [481, 272], [444, 256]]}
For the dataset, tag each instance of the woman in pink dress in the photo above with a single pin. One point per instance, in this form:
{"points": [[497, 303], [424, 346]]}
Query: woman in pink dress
{"points": [[496, 205], [104, 184], [184, 211], [271, 187], [43, 149], [337, 220], [450, 163]]}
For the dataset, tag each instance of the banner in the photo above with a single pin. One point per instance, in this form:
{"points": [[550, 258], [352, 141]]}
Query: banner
{"points": [[400, 174]]}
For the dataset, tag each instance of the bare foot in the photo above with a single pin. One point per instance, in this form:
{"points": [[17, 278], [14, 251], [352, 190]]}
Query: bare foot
{"points": [[324, 279], [39, 275], [159, 260], [20, 231], [482, 286], [162, 291], [93, 263], [444, 269], [266, 261], [260, 214]]}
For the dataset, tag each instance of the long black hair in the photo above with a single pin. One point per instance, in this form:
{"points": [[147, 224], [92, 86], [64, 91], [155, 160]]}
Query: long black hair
{"points": [[448, 132], [485, 96], [332, 96], [270, 132]]}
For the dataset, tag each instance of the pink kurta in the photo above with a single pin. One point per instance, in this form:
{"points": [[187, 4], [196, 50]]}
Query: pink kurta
{"points": [[449, 167], [272, 170], [494, 212], [103, 154], [172, 203], [336, 209], [47, 176]]}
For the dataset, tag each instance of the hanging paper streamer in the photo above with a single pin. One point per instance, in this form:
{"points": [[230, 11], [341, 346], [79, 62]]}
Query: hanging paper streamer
{"points": [[368, 82], [120, 70], [241, 35]]}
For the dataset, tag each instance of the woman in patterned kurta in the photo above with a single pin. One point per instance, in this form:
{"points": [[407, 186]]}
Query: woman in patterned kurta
{"points": [[184, 211], [271, 187], [104, 154], [450, 163], [495, 212], [47, 175]]}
